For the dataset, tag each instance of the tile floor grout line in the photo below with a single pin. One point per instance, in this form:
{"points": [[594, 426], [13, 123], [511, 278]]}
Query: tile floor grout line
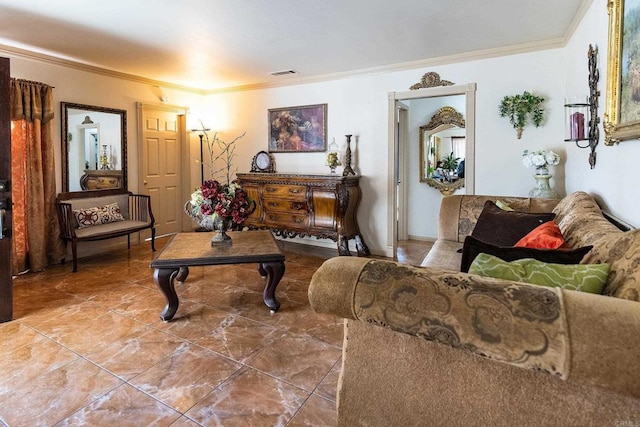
{"points": [[127, 381], [325, 377], [227, 380], [100, 397], [282, 379]]}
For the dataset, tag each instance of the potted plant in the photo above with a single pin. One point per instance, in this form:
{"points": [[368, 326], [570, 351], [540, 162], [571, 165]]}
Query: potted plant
{"points": [[520, 108], [450, 163]]}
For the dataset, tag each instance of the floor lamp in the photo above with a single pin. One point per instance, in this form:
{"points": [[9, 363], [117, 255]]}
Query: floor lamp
{"points": [[201, 133]]}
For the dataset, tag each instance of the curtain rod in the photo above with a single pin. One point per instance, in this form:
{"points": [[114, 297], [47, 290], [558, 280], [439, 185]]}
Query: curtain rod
{"points": [[32, 82]]}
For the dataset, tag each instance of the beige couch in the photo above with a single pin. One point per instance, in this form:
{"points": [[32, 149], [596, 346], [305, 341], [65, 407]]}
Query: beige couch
{"points": [[429, 346]]}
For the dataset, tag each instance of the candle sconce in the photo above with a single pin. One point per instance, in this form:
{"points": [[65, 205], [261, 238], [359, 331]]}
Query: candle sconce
{"points": [[576, 119], [581, 113]]}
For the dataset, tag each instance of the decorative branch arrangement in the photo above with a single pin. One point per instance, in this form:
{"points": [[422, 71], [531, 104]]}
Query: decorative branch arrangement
{"points": [[226, 152], [521, 108]]}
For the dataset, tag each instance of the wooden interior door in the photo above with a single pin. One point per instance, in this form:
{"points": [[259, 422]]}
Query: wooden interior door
{"points": [[162, 168], [6, 290]]}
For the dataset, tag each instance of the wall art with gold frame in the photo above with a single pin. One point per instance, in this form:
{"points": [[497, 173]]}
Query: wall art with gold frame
{"points": [[298, 129], [622, 116]]}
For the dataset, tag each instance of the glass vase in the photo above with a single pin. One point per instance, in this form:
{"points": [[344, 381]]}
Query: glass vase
{"points": [[542, 170]]}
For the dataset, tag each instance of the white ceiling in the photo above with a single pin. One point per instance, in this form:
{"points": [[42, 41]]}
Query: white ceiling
{"points": [[219, 44]]}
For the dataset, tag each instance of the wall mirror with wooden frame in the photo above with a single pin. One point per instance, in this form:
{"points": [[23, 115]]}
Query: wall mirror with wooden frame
{"points": [[94, 147]]}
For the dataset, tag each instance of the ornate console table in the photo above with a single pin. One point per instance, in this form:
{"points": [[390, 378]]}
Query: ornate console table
{"points": [[324, 206], [100, 179]]}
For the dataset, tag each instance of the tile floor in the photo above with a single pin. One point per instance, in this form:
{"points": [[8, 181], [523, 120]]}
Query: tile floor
{"points": [[412, 252], [89, 348]]}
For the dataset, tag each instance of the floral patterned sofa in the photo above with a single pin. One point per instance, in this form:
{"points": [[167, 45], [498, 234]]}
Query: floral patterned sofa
{"points": [[434, 346]]}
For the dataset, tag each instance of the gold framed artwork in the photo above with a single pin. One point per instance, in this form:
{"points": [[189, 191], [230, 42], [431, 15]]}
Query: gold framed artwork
{"points": [[622, 115], [298, 129]]}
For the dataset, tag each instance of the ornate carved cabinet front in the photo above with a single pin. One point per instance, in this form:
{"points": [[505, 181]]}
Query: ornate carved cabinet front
{"points": [[324, 206], [101, 179]]}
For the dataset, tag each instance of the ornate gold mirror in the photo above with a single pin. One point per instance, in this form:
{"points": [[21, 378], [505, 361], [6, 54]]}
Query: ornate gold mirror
{"points": [[442, 151], [94, 147]]}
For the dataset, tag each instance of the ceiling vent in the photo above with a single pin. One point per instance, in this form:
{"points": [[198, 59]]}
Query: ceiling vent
{"points": [[283, 72]]}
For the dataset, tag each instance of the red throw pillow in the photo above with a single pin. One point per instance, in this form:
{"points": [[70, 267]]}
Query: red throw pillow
{"points": [[544, 236]]}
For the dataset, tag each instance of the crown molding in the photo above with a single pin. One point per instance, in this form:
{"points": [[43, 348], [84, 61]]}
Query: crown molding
{"points": [[431, 62], [54, 60], [575, 22]]}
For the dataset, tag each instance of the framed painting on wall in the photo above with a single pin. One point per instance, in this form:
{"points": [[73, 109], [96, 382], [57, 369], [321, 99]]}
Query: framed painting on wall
{"points": [[298, 129], [622, 117]]}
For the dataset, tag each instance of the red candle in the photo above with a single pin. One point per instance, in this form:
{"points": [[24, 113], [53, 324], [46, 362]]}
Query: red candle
{"points": [[577, 126]]}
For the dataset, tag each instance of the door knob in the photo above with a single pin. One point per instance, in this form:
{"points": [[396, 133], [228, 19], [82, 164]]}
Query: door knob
{"points": [[144, 182]]}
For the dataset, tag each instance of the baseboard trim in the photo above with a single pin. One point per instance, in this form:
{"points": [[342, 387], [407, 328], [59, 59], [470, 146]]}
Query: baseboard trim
{"points": [[422, 238]]}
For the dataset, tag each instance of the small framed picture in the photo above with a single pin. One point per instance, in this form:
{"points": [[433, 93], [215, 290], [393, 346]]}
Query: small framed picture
{"points": [[298, 129]]}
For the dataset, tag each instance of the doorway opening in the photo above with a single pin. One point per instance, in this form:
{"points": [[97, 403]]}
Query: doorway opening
{"points": [[401, 105]]}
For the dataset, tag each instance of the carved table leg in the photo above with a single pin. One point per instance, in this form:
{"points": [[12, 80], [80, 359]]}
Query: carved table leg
{"points": [[262, 271], [343, 246], [363, 250], [182, 275], [164, 278], [274, 272]]}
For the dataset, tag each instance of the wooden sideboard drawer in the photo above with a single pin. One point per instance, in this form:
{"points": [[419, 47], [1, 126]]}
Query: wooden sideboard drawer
{"points": [[298, 192], [283, 205], [284, 220], [324, 206]]}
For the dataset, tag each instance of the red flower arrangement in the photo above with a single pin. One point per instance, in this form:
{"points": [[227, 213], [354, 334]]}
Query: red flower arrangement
{"points": [[228, 201]]}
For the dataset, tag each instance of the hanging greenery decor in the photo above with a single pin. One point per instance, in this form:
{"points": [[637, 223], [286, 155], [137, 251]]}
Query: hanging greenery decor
{"points": [[519, 108]]}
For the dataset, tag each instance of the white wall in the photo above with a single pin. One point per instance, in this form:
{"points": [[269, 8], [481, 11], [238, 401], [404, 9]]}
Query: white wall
{"points": [[354, 107], [359, 106], [614, 180]]}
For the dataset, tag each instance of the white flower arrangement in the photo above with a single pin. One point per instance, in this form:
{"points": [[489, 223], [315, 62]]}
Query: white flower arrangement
{"points": [[540, 158]]}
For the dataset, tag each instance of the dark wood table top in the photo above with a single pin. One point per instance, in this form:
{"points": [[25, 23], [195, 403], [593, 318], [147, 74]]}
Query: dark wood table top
{"points": [[191, 249]]}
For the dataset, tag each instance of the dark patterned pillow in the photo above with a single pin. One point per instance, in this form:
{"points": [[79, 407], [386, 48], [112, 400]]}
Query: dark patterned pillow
{"points": [[88, 217], [505, 228], [111, 213], [472, 247]]}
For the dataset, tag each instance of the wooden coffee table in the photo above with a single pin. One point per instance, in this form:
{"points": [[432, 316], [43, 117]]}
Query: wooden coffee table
{"points": [[194, 249]]}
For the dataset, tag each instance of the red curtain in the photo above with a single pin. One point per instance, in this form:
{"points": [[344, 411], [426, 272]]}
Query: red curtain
{"points": [[36, 235]]}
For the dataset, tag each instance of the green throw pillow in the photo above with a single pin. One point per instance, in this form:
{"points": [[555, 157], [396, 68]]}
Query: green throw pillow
{"points": [[576, 277], [504, 206]]}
